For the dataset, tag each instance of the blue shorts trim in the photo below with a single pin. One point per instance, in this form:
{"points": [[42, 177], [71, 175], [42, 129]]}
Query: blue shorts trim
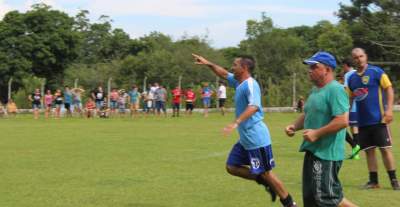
{"points": [[260, 159]]}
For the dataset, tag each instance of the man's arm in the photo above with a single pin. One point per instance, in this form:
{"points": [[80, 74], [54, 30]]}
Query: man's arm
{"points": [[388, 116], [218, 70], [337, 123], [297, 125], [250, 110]]}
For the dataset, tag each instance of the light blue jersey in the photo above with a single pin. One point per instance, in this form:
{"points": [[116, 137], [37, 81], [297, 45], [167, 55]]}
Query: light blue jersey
{"points": [[253, 132], [346, 84]]}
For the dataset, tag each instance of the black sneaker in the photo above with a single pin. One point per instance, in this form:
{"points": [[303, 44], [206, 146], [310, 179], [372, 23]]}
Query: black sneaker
{"points": [[395, 185]]}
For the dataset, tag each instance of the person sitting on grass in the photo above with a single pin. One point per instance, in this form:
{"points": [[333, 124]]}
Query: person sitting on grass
{"points": [[11, 108], [104, 111], [2, 110], [90, 108]]}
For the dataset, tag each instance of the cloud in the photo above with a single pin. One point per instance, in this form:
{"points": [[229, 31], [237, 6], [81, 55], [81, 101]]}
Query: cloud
{"points": [[170, 8], [4, 8]]}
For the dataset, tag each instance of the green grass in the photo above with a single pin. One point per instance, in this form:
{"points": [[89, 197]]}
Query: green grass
{"points": [[152, 162]]}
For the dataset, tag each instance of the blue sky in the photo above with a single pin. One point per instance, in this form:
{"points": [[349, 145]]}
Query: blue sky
{"points": [[223, 21]]}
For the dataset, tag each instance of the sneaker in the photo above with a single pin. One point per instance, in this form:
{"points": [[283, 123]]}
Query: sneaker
{"points": [[395, 185], [355, 153], [292, 205], [371, 185]]}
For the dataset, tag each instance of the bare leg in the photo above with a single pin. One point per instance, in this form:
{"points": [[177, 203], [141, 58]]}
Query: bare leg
{"points": [[388, 158], [346, 203], [371, 160]]}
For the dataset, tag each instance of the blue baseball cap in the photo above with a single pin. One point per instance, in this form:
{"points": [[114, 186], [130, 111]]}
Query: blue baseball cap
{"points": [[322, 57]]}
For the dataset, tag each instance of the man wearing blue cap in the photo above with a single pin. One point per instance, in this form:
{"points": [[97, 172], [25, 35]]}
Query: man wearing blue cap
{"points": [[324, 121]]}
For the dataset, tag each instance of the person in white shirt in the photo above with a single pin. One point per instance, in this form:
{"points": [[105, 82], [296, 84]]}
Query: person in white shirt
{"points": [[151, 96], [222, 97]]}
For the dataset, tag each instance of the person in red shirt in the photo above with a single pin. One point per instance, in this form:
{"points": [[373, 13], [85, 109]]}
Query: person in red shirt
{"points": [[90, 107], [176, 101], [190, 98]]}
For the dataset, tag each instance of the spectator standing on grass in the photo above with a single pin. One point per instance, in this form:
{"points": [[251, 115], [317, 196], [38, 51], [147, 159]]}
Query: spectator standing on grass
{"points": [[134, 98], [160, 96], [190, 98], [99, 96], [77, 99], [206, 94], [48, 103], [67, 101], [151, 96], [176, 101], [123, 96], [114, 97], [36, 100], [58, 100], [221, 93]]}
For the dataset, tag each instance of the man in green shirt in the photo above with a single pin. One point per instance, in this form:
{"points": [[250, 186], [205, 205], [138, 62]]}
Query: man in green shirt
{"points": [[324, 122]]}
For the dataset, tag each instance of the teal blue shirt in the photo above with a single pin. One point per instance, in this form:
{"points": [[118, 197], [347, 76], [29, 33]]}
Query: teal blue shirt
{"points": [[321, 107]]}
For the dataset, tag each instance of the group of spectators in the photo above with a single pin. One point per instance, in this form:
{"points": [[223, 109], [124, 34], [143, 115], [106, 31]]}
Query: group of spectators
{"points": [[154, 101]]}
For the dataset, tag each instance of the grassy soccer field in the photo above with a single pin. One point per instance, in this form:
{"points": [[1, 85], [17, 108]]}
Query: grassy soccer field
{"points": [[152, 162]]}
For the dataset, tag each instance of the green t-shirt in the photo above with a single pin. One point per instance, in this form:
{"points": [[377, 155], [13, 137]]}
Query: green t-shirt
{"points": [[321, 107]]}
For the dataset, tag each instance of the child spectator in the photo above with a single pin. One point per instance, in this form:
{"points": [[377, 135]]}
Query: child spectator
{"points": [[12, 108], [90, 107]]}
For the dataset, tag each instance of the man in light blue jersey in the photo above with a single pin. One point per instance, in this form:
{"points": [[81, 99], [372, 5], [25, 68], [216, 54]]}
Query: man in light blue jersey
{"points": [[251, 157], [353, 139]]}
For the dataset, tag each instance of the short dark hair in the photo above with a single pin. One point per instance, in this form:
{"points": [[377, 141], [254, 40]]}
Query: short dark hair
{"points": [[348, 62], [248, 61]]}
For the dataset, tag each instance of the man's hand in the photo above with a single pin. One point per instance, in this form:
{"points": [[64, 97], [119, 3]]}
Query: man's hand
{"points": [[310, 135], [199, 60], [229, 128], [388, 117], [290, 130]]}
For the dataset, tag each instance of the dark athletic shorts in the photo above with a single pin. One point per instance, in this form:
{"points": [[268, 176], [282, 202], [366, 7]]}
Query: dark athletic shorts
{"points": [[222, 102], [321, 185], [67, 106], [189, 106], [176, 106], [374, 136]]}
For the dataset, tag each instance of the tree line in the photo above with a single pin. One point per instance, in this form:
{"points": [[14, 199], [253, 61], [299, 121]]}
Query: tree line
{"points": [[44, 43]]}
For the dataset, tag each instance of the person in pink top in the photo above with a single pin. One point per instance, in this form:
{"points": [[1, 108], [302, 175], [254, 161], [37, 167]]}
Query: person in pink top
{"points": [[48, 102], [114, 96]]}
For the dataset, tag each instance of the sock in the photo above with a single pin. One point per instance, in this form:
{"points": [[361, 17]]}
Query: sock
{"points": [[373, 177], [355, 138], [392, 174], [287, 201], [349, 140]]}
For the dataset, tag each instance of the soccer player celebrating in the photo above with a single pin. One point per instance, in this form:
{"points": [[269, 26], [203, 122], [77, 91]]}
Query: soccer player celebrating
{"points": [[254, 146], [372, 90]]}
